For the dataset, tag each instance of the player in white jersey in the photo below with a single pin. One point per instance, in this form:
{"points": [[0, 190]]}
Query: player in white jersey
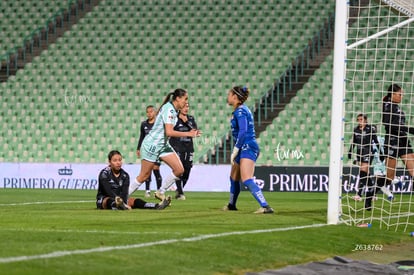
{"points": [[156, 147]]}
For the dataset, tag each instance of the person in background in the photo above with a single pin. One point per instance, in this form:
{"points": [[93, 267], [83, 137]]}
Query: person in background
{"points": [[396, 144], [245, 152], [146, 127], [155, 146], [363, 139], [184, 147], [113, 188]]}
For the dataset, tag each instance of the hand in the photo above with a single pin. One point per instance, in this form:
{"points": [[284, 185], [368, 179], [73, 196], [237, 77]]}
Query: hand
{"points": [[234, 155], [138, 153], [195, 133], [349, 155]]}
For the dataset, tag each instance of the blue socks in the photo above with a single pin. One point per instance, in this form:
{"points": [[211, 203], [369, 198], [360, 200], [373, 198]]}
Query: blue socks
{"points": [[256, 192], [234, 191]]}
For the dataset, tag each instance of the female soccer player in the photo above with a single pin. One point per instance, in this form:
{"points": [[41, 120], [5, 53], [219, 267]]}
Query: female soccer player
{"points": [[365, 135], [146, 126], [155, 146], [396, 144], [245, 151], [113, 188], [184, 147]]}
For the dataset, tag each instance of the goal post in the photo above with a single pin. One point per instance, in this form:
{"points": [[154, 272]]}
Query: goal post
{"points": [[337, 113], [374, 48]]}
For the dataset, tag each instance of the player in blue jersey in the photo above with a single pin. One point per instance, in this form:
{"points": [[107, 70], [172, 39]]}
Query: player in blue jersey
{"points": [[146, 127], [156, 147], [245, 151]]}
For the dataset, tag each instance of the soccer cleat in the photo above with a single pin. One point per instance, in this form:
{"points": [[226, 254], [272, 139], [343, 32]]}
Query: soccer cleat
{"points": [[264, 210], [387, 192], [165, 203], [356, 198], [120, 204], [229, 207], [180, 197], [158, 195], [148, 194]]}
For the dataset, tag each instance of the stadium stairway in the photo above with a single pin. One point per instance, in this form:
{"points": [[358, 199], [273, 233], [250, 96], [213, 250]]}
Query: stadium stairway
{"points": [[116, 57], [266, 113], [46, 36]]}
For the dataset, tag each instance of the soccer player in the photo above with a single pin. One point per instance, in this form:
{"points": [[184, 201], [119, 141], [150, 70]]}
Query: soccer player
{"points": [[245, 151], [146, 126], [113, 188], [155, 146], [184, 147], [364, 136], [396, 144]]}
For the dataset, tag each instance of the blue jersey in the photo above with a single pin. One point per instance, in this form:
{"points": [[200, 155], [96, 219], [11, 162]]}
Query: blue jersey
{"points": [[242, 126]]}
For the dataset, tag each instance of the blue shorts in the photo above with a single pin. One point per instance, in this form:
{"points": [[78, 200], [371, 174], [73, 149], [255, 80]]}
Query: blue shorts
{"points": [[248, 151]]}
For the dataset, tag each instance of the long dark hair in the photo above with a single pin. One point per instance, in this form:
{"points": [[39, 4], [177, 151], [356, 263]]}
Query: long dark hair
{"points": [[172, 96], [241, 92], [391, 89]]}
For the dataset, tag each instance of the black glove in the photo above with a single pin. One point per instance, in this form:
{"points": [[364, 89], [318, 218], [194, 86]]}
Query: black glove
{"points": [[382, 157], [349, 155]]}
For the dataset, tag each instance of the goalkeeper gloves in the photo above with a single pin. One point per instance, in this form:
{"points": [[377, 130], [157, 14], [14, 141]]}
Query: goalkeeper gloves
{"points": [[234, 155]]}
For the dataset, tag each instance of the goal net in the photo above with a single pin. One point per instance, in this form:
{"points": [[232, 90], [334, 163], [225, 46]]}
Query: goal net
{"points": [[379, 52]]}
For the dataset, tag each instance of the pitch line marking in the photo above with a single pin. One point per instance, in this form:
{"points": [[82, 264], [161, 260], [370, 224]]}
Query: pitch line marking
{"points": [[63, 253], [89, 231], [43, 202]]}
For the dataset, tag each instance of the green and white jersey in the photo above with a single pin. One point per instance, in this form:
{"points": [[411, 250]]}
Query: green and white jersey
{"points": [[166, 115]]}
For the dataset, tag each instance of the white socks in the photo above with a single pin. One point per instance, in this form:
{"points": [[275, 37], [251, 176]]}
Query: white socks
{"points": [[133, 186], [168, 181]]}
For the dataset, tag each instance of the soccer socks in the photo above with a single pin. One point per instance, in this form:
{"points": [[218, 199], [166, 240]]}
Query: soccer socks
{"points": [[139, 203], [148, 184], [133, 186], [234, 191], [363, 180], [179, 186], [256, 192], [158, 178], [169, 180]]}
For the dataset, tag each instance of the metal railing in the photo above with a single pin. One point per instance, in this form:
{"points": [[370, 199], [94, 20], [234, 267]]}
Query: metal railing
{"points": [[34, 39], [278, 90]]}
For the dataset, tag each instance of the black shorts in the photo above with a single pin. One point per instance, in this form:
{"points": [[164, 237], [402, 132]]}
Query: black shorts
{"points": [[365, 158], [396, 147]]}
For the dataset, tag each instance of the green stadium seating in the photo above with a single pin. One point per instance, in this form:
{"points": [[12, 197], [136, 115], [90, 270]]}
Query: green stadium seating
{"points": [[91, 87]]}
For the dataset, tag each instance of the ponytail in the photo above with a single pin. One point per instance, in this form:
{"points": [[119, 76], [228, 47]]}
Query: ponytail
{"points": [[167, 99], [172, 96], [391, 89]]}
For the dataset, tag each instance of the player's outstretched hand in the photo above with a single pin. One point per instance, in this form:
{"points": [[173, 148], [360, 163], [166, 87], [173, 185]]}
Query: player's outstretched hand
{"points": [[195, 133]]}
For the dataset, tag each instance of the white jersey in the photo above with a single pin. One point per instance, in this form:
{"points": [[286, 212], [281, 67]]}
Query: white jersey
{"points": [[166, 115]]}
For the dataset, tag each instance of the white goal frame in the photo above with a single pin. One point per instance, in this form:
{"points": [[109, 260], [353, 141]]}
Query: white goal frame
{"points": [[338, 96]]}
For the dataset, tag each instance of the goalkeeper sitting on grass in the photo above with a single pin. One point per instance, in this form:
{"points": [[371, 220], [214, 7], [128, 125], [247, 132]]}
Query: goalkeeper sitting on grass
{"points": [[114, 185]]}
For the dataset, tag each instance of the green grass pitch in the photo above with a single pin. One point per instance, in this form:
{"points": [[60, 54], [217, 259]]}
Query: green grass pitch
{"points": [[61, 232]]}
